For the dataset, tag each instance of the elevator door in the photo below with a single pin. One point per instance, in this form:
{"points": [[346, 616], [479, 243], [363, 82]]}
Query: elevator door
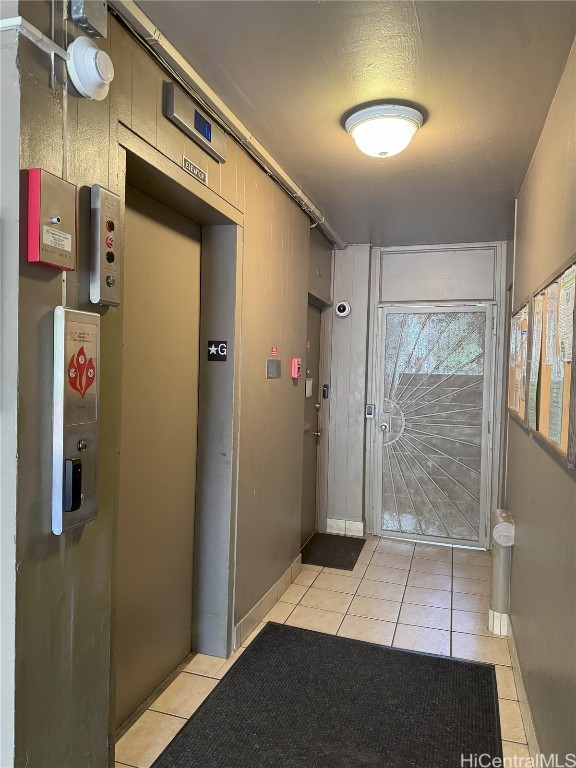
{"points": [[158, 448]]}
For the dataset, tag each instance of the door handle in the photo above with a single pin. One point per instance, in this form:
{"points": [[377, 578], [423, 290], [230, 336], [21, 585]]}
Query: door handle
{"points": [[317, 434], [384, 427]]}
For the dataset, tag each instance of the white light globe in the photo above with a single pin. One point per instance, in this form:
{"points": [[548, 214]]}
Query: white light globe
{"points": [[385, 130]]}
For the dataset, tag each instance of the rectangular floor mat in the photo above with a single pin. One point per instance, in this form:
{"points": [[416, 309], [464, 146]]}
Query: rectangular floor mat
{"points": [[331, 551], [302, 699]]}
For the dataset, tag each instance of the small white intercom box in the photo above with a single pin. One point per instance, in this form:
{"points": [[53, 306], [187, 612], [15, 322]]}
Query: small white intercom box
{"points": [[75, 418], [107, 247]]}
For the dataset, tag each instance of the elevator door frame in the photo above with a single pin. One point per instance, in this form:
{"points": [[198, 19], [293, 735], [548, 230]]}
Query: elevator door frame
{"points": [[218, 420]]}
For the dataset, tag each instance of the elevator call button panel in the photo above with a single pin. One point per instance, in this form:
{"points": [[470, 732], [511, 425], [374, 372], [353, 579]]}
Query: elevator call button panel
{"points": [[75, 418], [107, 248]]}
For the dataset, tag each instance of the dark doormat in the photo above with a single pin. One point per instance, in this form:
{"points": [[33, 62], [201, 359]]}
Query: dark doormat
{"points": [[301, 699], [331, 551]]}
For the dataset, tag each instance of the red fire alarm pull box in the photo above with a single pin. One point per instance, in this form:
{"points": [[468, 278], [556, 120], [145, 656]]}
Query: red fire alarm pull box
{"points": [[296, 367], [51, 211]]}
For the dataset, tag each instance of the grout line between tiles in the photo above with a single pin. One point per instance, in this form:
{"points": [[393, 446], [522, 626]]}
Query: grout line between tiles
{"points": [[201, 674], [403, 595], [170, 714]]}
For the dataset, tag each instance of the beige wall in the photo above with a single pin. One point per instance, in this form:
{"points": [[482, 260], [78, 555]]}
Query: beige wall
{"points": [[64, 586], [541, 494], [320, 268]]}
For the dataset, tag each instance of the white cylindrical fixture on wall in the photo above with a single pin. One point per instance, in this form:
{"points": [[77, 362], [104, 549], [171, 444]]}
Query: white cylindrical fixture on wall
{"points": [[503, 530]]}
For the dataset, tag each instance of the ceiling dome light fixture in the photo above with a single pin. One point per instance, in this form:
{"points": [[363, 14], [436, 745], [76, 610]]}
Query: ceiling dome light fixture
{"points": [[384, 130]]}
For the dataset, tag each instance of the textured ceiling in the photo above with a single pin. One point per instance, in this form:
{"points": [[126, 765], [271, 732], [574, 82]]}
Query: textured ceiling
{"points": [[484, 72]]}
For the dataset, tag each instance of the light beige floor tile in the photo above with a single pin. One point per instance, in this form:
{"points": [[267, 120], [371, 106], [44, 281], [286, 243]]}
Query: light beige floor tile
{"points": [[442, 567], [305, 578], [472, 557], [205, 665], [422, 639], [511, 723], [462, 601], [491, 650], [315, 619], [293, 594], [480, 572], [517, 755], [327, 600], [391, 575], [254, 634], [336, 583], [357, 572], [279, 612], [433, 552], [311, 567], [388, 560], [383, 590], [471, 586], [429, 580], [435, 597], [373, 608], [184, 695], [147, 738], [425, 616], [371, 542], [395, 547], [471, 623], [230, 663], [506, 683], [369, 630], [365, 556]]}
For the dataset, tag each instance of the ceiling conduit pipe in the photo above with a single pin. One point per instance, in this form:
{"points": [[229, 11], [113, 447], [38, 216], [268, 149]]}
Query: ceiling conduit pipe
{"points": [[175, 64]]}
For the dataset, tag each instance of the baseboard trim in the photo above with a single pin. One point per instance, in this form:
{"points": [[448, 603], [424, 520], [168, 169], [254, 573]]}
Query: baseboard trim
{"points": [[345, 527], [525, 710], [248, 624]]}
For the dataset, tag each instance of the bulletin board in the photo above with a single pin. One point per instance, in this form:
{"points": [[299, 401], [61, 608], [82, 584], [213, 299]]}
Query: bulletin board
{"points": [[518, 363], [552, 380]]}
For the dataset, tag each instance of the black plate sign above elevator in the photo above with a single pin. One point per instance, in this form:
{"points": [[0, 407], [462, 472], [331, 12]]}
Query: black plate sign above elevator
{"points": [[217, 351]]}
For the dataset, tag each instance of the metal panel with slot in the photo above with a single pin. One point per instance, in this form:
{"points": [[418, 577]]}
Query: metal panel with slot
{"points": [[75, 418]]}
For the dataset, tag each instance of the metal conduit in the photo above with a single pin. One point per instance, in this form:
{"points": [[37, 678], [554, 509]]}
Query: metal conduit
{"points": [[150, 37]]}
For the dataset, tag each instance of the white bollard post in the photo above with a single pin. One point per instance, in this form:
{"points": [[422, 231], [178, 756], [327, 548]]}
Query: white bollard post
{"points": [[502, 541]]}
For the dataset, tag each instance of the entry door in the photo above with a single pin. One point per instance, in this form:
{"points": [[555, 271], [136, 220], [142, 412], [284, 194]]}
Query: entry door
{"points": [[312, 434], [430, 452], [158, 448]]}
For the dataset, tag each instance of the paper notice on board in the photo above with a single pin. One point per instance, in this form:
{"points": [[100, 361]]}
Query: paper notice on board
{"points": [[556, 400], [512, 360], [566, 313], [517, 387], [551, 322], [535, 353], [523, 349]]}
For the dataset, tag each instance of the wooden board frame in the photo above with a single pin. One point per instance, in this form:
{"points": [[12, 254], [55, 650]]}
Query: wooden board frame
{"points": [[520, 415], [565, 452]]}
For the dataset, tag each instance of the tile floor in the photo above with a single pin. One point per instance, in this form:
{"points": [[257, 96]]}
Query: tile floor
{"points": [[421, 597]]}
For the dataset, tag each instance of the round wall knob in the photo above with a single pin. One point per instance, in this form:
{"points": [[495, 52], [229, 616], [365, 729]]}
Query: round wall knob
{"points": [[90, 69]]}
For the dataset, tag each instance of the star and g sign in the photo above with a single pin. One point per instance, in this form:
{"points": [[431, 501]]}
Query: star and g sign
{"points": [[217, 351]]}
